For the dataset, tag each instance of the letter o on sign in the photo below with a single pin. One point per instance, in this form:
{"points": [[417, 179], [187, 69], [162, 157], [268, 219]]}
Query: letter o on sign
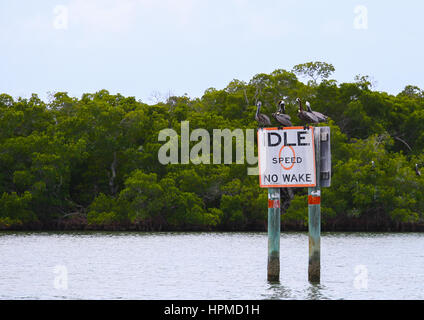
{"points": [[294, 155]]}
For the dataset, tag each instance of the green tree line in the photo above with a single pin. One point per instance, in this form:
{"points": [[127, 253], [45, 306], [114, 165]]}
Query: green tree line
{"points": [[93, 162]]}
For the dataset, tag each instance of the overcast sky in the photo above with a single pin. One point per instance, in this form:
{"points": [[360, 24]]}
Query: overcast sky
{"points": [[141, 47]]}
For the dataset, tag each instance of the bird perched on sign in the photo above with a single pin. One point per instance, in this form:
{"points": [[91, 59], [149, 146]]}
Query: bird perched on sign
{"points": [[281, 115], [305, 116], [321, 117], [417, 171], [262, 119]]}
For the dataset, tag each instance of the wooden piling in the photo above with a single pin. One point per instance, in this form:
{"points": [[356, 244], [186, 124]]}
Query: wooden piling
{"points": [[274, 225], [314, 218]]}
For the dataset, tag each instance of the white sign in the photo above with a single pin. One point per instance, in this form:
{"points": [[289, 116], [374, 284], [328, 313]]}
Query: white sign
{"points": [[286, 157]]}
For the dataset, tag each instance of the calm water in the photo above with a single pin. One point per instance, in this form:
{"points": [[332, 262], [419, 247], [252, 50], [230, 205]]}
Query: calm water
{"points": [[207, 266]]}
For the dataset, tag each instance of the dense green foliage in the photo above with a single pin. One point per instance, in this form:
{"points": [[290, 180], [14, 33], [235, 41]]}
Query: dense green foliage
{"points": [[95, 159]]}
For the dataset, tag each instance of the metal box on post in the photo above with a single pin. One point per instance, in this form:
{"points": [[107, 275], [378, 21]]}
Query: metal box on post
{"points": [[325, 158]]}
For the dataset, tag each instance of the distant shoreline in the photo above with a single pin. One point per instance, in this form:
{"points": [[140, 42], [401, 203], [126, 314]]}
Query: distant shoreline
{"points": [[330, 226]]}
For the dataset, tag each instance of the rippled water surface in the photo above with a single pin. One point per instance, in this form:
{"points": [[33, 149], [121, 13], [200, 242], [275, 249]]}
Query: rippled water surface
{"points": [[207, 266]]}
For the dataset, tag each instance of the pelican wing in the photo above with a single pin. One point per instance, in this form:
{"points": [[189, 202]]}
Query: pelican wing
{"points": [[313, 118], [263, 119], [281, 118], [320, 116]]}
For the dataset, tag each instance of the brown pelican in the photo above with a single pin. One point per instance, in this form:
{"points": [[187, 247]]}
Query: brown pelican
{"points": [[281, 115], [262, 119], [320, 116], [282, 109], [418, 172], [306, 116]]}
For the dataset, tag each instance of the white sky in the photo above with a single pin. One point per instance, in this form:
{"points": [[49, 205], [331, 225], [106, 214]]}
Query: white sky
{"points": [[138, 47]]}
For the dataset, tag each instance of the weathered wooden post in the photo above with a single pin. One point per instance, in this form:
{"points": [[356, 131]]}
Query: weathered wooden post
{"points": [[314, 216], [274, 234]]}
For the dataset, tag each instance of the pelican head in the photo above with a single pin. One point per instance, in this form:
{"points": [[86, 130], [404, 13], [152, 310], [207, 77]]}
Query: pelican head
{"points": [[282, 105], [308, 105], [300, 104], [258, 105]]}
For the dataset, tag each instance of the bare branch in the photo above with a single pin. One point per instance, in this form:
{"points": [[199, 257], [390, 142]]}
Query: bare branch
{"points": [[404, 142]]}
